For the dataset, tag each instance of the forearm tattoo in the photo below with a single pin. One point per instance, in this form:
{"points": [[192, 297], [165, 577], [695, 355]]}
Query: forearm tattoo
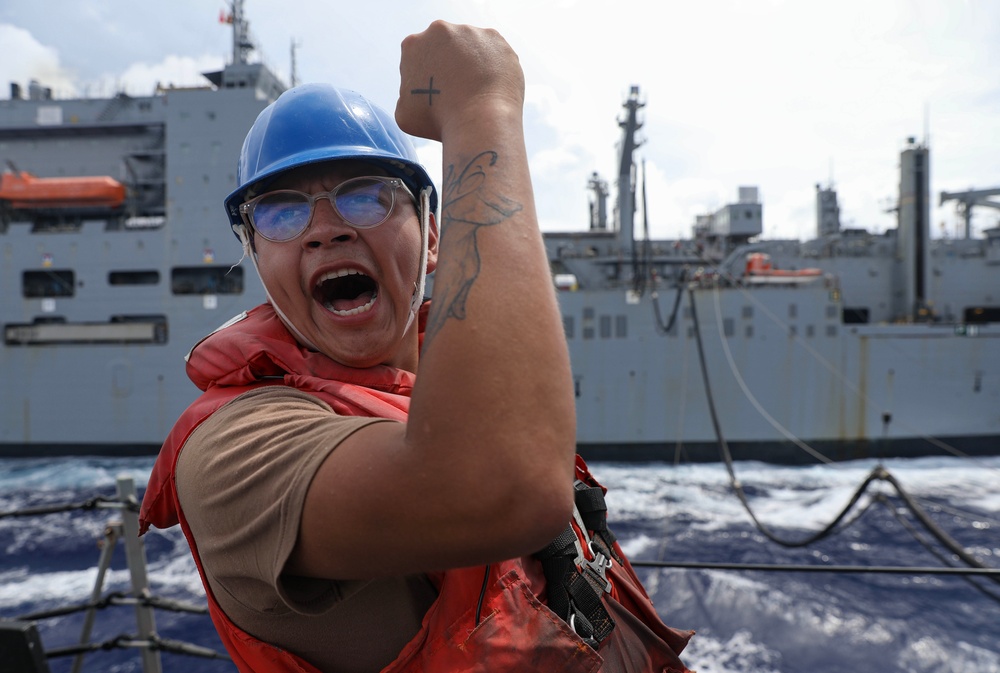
{"points": [[469, 203]]}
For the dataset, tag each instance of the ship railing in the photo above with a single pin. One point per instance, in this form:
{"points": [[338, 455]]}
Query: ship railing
{"points": [[19, 638]]}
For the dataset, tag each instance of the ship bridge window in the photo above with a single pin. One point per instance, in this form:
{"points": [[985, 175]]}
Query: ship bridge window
{"points": [[206, 280], [48, 283], [150, 277]]}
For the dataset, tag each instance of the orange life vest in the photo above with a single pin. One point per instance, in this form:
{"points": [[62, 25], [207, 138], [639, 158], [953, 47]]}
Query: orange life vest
{"points": [[492, 618]]}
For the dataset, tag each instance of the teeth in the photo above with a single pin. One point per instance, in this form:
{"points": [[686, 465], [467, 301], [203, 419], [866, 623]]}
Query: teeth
{"points": [[340, 274], [353, 311]]}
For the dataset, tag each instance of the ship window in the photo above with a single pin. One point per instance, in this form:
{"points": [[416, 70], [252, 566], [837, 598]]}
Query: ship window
{"points": [[56, 224], [982, 314], [605, 327], [728, 327], [48, 283], [748, 312], [793, 331], [150, 277], [568, 326], [749, 332], [793, 310], [831, 330], [206, 280], [122, 329], [855, 316], [810, 331], [621, 326]]}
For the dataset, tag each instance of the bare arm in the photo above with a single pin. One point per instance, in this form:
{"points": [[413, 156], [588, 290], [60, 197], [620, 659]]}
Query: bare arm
{"points": [[482, 470]]}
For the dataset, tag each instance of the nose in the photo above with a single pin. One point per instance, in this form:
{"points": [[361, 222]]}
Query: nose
{"points": [[327, 226]]}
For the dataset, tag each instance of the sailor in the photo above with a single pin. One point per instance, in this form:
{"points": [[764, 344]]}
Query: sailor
{"points": [[345, 514]]}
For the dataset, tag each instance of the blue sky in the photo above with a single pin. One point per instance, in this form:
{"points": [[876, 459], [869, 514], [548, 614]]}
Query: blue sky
{"points": [[781, 95]]}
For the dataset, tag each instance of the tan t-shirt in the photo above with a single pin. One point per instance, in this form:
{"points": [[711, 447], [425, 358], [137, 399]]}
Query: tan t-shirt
{"points": [[242, 478]]}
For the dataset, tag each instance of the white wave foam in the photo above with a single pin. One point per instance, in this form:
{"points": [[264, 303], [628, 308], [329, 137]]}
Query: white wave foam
{"points": [[786, 496], [62, 588], [930, 655]]}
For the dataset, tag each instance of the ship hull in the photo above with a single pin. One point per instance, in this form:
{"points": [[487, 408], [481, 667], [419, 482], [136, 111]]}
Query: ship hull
{"points": [[774, 374]]}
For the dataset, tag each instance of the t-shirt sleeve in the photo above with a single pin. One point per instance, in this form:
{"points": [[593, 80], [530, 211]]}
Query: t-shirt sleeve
{"points": [[242, 479]]}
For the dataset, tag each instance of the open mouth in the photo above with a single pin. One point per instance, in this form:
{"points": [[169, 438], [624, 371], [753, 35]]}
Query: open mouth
{"points": [[346, 292]]}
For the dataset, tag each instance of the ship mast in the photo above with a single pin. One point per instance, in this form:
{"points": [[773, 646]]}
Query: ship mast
{"points": [[626, 171], [242, 46]]}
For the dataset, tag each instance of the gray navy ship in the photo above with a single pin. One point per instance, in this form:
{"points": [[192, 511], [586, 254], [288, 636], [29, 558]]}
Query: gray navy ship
{"points": [[117, 260]]}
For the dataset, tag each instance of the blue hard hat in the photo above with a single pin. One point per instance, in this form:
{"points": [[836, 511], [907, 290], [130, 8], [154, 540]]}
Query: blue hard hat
{"points": [[318, 122]]}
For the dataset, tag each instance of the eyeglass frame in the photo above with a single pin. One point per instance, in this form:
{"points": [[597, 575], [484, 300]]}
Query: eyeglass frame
{"points": [[246, 208]]}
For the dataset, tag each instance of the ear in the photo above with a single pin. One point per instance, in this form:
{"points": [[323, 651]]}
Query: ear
{"points": [[432, 243]]}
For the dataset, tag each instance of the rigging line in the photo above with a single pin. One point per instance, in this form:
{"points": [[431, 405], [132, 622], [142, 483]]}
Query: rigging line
{"points": [[736, 284], [113, 599], [915, 534], [961, 512], [728, 458], [655, 297], [992, 573], [750, 396], [99, 502], [682, 407], [928, 524], [125, 641]]}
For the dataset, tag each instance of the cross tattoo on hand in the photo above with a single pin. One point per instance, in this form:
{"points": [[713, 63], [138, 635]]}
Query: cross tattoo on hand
{"points": [[430, 91]]}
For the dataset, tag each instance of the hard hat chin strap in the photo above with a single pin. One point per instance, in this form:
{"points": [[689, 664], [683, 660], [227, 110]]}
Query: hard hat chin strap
{"points": [[248, 251], [425, 226]]}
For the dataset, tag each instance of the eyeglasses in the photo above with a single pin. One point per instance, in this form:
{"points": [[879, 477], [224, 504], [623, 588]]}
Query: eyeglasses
{"points": [[363, 203]]}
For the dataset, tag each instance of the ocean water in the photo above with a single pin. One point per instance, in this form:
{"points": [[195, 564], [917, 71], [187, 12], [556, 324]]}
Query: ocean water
{"points": [[747, 621]]}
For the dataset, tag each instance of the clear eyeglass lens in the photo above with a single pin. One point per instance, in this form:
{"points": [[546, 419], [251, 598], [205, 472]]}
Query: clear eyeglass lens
{"points": [[361, 202], [281, 217]]}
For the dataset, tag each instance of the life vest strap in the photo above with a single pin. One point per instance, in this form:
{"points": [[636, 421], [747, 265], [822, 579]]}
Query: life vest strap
{"points": [[594, 514], [575, 565]]}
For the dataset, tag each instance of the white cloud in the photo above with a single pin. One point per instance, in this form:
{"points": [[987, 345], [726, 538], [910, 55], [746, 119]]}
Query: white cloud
{"points": [[778, 94], [34, 61]]}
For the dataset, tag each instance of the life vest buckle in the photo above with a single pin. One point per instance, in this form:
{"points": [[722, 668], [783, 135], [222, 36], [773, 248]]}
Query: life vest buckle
{"points": [[597, 567]]}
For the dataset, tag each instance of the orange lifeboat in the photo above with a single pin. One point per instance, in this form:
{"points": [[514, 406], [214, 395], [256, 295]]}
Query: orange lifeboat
{"points": [[759, 269], [25, 191]]}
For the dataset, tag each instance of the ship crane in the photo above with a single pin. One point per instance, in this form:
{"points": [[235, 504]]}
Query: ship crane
{"points": [[968, 199]]}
